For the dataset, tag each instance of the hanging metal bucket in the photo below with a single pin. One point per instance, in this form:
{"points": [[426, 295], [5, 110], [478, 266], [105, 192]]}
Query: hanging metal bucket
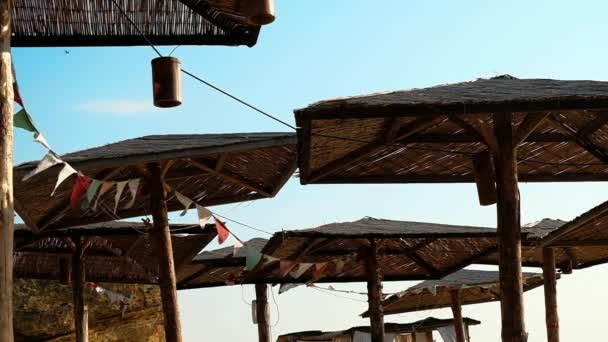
{"points": [[166, 82], [259, 12]]}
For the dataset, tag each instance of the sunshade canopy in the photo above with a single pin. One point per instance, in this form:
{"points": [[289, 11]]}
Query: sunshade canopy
{"points": [[427, 324], [429, 135], [101, 23], [210, 169], [116, 252], [474, 286]]}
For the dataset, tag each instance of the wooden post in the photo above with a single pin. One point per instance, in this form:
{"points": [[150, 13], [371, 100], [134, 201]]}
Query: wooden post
{"points": [[78, 278], [6, 175], [509, 232], [261, 300], [164, 251], [374, 293], [457, 312], [483, 171], [549, 277]]}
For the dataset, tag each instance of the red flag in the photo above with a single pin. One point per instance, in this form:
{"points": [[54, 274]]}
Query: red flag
{"points": [[80, 188], [222, 230], [285, 266], [17, 96]]}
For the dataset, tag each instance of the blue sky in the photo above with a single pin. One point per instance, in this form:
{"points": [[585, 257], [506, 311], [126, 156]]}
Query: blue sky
{"points": [[320, 49]]}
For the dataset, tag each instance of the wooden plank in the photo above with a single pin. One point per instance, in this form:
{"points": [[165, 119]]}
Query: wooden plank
{"points": [[550, 280], [164, 252], [457, 312], [578, 243], [483, 171], [239, 180], [78, 279], [374, 292], [6, 175], [356, 155], [465, 137], [509, 232], [483, 132], [530, 123], [591, 127], [262, 313], [426, 266]]}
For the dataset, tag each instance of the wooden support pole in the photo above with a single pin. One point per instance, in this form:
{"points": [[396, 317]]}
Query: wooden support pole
{"points": [[164, 252], [262, 315], [550, 280], [6, 175], [457, 312], [509, 232], [374, 293], [81, 324]]}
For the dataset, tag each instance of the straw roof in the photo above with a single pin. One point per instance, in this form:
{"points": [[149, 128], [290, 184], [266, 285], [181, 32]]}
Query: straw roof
{"points": [[101, 23], [218, 267], [116, 252], [578, 244], [475, 287], [409, 250], [427, 324], [211, 169], [429, 135]]}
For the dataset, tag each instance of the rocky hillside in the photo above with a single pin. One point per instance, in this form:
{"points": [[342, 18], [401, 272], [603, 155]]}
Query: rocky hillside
{"points": [[43, 312]]}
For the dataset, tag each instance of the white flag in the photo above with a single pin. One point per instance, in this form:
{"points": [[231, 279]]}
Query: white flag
{"points": [[237, 246], [105, 186], [48, 161], [185, 201], [302, 268], [39, 138], [204, 215], [133, 186], [120, 187], [66, 172], [286, 287]]}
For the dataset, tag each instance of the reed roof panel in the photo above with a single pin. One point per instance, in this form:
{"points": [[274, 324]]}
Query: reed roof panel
{"points": [[429, 135], [211, 169], [101, 23]]}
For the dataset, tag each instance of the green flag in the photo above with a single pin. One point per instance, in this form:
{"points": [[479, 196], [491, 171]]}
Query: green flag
{"points": [[91, 191], [253, 258], [23, 120]]}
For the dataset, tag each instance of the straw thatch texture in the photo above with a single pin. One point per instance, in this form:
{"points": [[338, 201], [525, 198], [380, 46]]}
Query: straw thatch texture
{"points": [[577, 244], [218, 267], [475, 287], [100, 23], [427, 324], [409, 250], [429, 135], [211, 169], [117, 252]]}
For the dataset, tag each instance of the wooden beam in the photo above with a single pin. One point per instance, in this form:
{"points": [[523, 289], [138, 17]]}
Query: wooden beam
{"points": [[239, 180], [390, 137], [484, 131], [374, 292], [219, 163], [591, 127], [7, 211], [483, 171], [582, 140], [466, 137], [164, 252], [530, 123], [578, 243], [262, 313], [550, 279], [509, 232], [78, 279], [457, 312], [427, 267]]}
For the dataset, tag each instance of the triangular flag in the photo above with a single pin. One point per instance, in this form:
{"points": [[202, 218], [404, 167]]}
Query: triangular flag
{"points": [[237, 246], [48, 161], [104, 188], [222, 231], [285, 266], [16, 94], [340, 266], [185, 201], [39, 138], [253, 258], [133, 186], [204, 215], [120, 187], [286, 287], [66, 172], [302, 268], [90, 194], [23, 120], [319, 271], [80, 187]]}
